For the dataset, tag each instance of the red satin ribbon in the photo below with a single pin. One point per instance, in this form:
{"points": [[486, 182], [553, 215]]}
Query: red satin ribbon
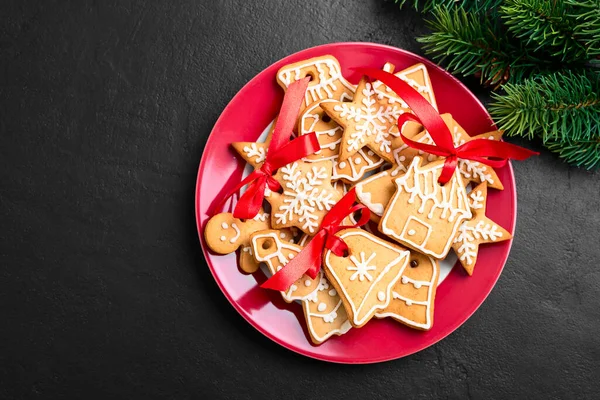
{"points": [[308, 261], [423, 113], [281, 151]]}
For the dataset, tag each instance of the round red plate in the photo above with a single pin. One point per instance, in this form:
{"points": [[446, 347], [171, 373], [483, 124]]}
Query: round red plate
{"points": [[245, 118]]}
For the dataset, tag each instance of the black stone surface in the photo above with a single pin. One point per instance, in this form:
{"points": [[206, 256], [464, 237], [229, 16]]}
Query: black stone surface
{"points": [[104, 293]]}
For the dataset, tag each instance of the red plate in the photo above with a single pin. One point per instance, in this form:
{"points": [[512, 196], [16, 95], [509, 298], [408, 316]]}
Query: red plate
{"points": [[245, 118]]}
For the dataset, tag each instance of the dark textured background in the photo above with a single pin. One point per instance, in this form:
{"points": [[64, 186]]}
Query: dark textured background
{"points": [[104, 293]]}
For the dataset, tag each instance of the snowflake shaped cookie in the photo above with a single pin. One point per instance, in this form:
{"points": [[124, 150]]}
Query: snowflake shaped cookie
{"points": [[307, 196], [478, 230], [367, 121]]}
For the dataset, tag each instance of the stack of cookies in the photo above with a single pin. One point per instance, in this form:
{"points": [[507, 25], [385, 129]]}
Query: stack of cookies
{"points": [[391, 269]]}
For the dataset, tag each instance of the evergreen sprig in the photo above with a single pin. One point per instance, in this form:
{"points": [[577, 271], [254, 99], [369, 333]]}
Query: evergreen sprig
{"points": [[562, 108], [471, 44], [467, 5], [545, 24], [587, 29]]}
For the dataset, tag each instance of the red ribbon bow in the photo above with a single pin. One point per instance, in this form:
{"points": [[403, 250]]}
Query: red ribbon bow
{"points": [[281, 151], [308, 261], [423, 113]]}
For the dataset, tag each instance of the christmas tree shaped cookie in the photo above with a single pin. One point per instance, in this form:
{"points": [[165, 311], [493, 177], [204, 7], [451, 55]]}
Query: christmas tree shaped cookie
{"points": [[307, 196], [423, 214], [414, 294], [365, 277], [326, 82], [478, 230], [268, 248], [329, 134], [324, 312], [367, 121], [416, 76]]}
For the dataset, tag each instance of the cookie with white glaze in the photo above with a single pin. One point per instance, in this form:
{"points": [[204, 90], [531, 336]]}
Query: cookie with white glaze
{"points": [[414, 294], [364, 278]]}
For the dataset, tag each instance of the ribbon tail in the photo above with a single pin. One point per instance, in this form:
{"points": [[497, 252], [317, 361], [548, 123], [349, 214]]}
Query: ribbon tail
{"points": [[307, 261], [249, 204], [448, 170], [219, 205], [288, 114]]}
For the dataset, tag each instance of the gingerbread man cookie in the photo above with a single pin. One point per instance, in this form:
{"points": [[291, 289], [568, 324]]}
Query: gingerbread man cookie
{"points": [[424, 215], [364, 279], [224, 234], [326, 82], [367, 121], [414, 294], [307, 196], [478, 230]]}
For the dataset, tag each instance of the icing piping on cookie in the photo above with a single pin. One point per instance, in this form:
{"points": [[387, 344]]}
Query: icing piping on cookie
{"points": [[362, 267], [357, 321]]}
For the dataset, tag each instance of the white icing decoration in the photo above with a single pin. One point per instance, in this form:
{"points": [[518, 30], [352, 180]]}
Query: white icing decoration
{"points": [[332, 292], [375, 121], [432, 197], [224, 225], [428, 303], [411, 232], [282, 248], [304, 196], [361, 267], [366, 197], [380, 296], [356, 171], [223, 238], [307, 282], [467, 235], [261, 217], [401, 255], [323, 87], [425, 88], [357, 160], [477, 199], [254, 152], [322, 307], [237, 233]]}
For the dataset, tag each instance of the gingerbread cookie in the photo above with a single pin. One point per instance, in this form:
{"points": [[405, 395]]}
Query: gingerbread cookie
{"points": [[367, 121], [269, 248], [255, 153], [414, 294], [324, 312], [326, 82], [416, 76], [423, 214], [329, 134], [247, 262], [224, 234], [478, 230], [307, 196], [376, 191], [471, 171], [365, 277]]}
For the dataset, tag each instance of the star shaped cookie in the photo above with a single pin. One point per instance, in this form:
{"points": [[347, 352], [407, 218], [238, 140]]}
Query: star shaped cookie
{"points": [[477, 230], [367, 121]]}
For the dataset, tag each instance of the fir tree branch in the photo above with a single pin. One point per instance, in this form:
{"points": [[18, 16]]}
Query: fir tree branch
{"points": [[469, 43], [585, 153], [587, 28], [559, 108], [467, 5], [545, 24]]}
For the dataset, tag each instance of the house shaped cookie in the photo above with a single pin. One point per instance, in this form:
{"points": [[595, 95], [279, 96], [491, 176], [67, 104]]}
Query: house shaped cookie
{"points": [[423, 214]]}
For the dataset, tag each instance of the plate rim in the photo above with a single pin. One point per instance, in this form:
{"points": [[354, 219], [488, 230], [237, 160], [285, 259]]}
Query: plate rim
{"points": [[237, 307]]}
